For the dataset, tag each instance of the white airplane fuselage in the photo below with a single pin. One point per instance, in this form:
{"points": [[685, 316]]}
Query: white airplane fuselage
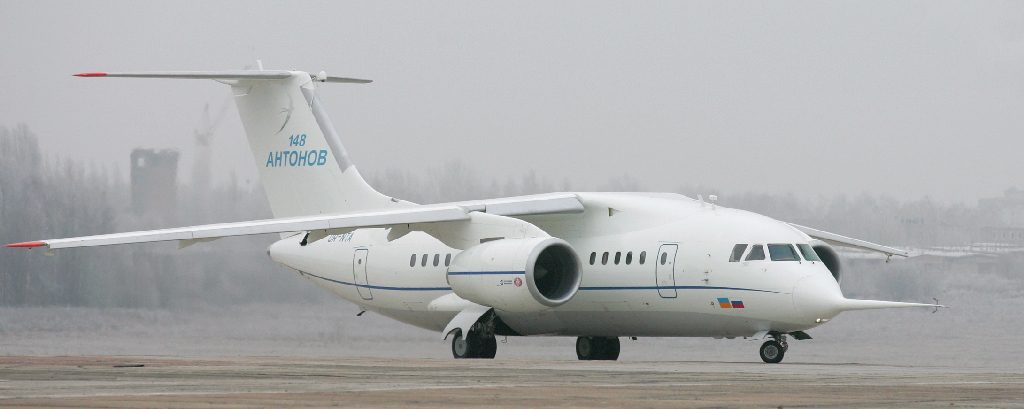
{"points": [[697, 291]]}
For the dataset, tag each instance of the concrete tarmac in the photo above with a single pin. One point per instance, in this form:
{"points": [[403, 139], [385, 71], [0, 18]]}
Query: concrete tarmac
{"points": [[114, 381]]}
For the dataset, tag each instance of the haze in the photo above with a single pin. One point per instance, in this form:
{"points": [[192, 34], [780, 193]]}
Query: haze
{"points": [[906, 99]]}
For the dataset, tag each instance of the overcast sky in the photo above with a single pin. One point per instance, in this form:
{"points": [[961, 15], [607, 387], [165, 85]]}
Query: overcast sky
{"points": [[901, 98]]}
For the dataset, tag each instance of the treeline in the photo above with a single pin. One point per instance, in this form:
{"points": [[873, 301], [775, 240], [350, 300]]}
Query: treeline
{"points": [[43, 197]]}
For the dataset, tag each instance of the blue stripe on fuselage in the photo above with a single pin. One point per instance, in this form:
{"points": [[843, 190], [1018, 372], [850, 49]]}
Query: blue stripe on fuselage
{"points": [[381, 287], [485, 273], [670, 287], [596, 288]]}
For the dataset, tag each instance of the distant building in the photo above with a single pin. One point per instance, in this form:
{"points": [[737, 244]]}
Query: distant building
{"points": [[154, 176], [1005, 225], [1003, 235], [1007, 210]]}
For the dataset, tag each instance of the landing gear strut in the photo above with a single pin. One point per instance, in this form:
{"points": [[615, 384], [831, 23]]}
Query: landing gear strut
{"points": [[474, 346], [597, 348], [774, 349]]}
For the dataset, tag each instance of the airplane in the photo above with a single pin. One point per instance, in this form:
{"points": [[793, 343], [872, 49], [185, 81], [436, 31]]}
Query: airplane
{"points": [[598, 266]]}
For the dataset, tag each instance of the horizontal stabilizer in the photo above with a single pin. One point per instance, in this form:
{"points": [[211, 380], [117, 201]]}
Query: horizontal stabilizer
{"points": [[222, 75], [198, 75]]}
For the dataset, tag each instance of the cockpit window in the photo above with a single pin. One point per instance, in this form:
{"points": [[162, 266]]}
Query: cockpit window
{"points": [[756, 253], [808, 252], [737, 252], [783, 252]]}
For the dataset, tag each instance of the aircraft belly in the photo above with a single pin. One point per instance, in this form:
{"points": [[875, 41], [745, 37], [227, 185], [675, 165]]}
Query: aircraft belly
{"points": [[406, 308], [428, 320], [696, 312], [642, 324]]}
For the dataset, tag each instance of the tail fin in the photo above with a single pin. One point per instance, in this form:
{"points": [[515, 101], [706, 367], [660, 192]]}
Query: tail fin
{"points": [[301, 161]]}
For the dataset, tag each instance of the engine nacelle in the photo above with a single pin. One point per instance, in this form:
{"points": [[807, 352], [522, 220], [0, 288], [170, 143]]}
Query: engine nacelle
{"points": [[519, 275], [829, 258]]}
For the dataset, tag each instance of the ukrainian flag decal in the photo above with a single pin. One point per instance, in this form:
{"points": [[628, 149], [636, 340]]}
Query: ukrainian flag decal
{"points": [[726, 303]]}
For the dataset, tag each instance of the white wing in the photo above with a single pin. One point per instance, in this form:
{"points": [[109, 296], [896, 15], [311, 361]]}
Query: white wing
{"points": [[843, 241], [445, 212]]}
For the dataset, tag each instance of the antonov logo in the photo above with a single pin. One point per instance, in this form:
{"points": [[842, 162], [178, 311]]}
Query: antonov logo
{"points": [[313, 157], [290, 158]]}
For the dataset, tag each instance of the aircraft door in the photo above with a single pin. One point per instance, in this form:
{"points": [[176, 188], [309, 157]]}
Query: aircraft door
{"points": [[359, 274], [665, 270]]}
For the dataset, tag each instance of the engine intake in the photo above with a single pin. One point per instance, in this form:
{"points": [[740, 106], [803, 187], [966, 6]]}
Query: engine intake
{"points": [[829, 258], [518, 275]]}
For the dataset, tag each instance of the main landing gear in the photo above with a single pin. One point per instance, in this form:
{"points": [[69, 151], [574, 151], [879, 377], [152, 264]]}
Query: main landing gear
{"points": [[597, 348], [774, 349], [474, 346]]}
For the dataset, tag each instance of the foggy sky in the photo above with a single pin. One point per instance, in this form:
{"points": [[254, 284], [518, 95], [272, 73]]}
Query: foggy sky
{"points": [[906, 99]]}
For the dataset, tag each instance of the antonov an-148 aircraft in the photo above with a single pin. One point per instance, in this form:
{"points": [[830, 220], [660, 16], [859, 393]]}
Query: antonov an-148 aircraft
{"points": [[597, 266]]}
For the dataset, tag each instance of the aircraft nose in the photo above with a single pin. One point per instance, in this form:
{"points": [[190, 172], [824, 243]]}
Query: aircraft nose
{"points": [[817, 298]]}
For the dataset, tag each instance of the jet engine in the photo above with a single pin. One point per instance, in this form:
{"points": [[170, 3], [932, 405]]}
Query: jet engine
{"points": [[519, 275], [829, 258]]}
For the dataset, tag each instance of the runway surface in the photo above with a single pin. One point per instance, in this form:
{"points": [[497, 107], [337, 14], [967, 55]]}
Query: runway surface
{"points": [[110, 381]]}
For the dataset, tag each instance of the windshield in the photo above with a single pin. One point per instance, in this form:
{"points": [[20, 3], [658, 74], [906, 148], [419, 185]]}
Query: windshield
{"points": [[737, 252], [756, 253], [783, 252], [808, 252]]}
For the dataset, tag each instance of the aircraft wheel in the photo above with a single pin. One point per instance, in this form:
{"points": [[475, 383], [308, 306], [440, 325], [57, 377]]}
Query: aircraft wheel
{"points": [[586, 349], [772, 352], [489, 348], [611, 349], [597, 348], [463, 347]]}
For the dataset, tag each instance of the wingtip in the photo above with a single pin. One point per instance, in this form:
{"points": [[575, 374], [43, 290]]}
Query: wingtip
{"points": [[27, 244], [91, 74]]}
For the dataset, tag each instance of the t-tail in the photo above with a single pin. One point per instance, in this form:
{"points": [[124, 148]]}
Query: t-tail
{"points": [[304, 168]]}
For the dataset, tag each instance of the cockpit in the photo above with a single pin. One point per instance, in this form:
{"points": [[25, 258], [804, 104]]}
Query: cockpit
{"points": [[775, 252]]}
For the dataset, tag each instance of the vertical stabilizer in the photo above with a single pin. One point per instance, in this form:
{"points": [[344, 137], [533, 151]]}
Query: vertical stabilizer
{"points": [[303, 165], [301, 161]]}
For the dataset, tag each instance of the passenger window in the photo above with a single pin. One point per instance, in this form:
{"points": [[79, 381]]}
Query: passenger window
{"points": [[643, 257], [437, 259], [412, 261], [664, 258], [604, 258], [448, 259], [737, 252], [593, 257], [629, 257], [782, 252], [618, 256], [808, 252], [756, 253], [424, 262]]}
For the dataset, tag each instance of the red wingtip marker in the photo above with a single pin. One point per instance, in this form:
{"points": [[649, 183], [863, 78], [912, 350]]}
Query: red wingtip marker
{"points": [[27, 244], [91, 74]]}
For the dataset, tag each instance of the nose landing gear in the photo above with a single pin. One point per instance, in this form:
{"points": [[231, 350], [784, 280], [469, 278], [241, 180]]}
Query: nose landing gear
{"points": [[597, 348], [774, 349]]}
